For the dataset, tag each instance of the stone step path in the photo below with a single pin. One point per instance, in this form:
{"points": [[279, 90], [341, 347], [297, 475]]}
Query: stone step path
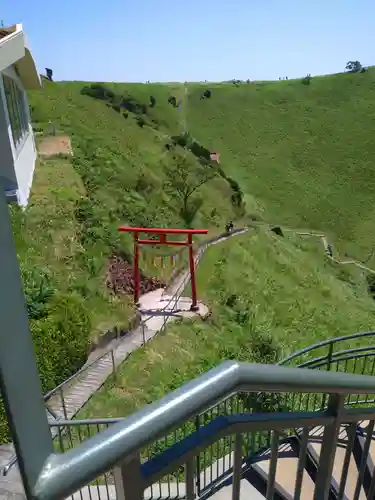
{"points": [[157, 308]]}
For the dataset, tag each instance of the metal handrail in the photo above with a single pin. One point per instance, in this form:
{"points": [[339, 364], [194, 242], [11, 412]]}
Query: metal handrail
{"points": [[63, 474], [329, 342]]}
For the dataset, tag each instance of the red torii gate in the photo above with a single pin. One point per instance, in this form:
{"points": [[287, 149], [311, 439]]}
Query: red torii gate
{"points": [[162, 240]]}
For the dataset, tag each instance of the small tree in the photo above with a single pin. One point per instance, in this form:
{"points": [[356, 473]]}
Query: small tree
{"points": [[353, 66], [184, 178], [173, 101], [306, 80], [370, 278]]}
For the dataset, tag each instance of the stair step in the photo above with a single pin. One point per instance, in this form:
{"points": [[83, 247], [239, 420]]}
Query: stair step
{"points": [[286, 473], [247, 492]]}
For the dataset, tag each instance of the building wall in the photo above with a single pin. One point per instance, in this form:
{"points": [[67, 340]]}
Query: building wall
{"points": [[24, 152], [25, 167], [7, 171]]}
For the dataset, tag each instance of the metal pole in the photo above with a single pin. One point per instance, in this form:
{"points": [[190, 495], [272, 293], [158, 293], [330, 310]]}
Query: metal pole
{"points": [[137, 278], [113, 363], [61, 391], [197, 458], [194, 304], [329, 363], [237, 467], [328, 451], [189, 479], [19, 379], [128, 479], [143, 333]]}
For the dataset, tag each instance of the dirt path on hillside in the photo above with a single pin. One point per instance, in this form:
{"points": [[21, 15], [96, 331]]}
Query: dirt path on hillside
{"points": [[324, 239]]}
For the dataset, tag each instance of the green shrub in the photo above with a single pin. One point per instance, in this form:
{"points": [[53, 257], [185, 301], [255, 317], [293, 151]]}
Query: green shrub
{"points": [[173, 101], [140, 122], [199, 151], [370, 278], [60, 344], [182, 140], [133, 105], [98, 91], [237, 193], [61, 339], [39, 290]]}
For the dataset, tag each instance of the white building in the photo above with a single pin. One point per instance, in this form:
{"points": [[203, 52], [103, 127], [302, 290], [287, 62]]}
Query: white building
{"points": [[18, 73]]}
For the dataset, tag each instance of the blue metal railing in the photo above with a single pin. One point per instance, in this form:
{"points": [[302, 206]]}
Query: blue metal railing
{"points": [[326, 355], [63, 474]]}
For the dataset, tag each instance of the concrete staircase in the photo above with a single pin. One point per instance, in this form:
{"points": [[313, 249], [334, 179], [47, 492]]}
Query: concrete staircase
{"points": [[347, 482]]}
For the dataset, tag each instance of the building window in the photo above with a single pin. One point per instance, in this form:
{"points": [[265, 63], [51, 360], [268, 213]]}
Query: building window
{"points": [[16, 110]]}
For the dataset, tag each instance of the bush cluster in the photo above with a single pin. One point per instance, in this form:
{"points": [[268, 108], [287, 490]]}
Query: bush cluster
{"points": [[59, 325], [307, 80], [203, 154], [116, 101], [173, 101]]}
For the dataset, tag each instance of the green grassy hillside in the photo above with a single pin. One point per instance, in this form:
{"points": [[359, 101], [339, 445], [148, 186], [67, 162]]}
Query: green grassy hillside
{"points": [[269, 296], [305, 152], [300, 155], [122, 169]]}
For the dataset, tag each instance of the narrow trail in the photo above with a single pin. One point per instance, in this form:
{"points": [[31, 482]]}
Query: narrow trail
{"points": [[315, 234]]}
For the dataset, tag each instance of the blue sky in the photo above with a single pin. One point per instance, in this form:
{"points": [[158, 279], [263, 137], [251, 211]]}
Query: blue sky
{"points": [[165, 40]]}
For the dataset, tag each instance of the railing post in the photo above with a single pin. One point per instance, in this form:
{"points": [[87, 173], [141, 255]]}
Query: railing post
{"points": [[128, 479], [63, 406], [329, 363], [330, 355], [273, 466], [143, 334], [237, 467], [198, 463], [328, 450], [189, 480], [113, 364]]}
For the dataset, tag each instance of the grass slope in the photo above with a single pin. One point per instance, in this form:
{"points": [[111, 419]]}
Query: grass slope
{"points": [[306, 153], [302, 155], [47, 238], [68, 232], [269, 297], [121, 169]]}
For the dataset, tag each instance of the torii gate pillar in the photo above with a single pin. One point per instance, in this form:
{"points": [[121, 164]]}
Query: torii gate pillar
{"points": [[163, 240]]}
